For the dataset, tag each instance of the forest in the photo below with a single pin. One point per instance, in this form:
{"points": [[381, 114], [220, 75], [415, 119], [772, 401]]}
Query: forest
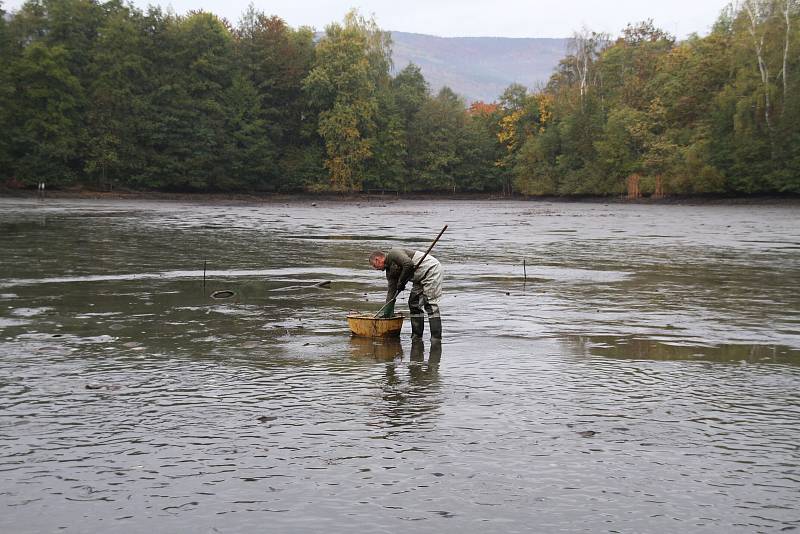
{"points": [[104, 95]]}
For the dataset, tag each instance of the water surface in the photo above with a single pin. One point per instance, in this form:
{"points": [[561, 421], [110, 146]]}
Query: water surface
{"points": [[639, 372]]}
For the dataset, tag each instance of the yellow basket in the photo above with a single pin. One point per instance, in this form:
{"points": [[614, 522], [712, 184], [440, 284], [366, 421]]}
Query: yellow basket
{"points": [[365, 325]]}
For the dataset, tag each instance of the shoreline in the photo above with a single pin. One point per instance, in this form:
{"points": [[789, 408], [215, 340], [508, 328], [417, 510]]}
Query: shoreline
{"points": [[269, 198]]}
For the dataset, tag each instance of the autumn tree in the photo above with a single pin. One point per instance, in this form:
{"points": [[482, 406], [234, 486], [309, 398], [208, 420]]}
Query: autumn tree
{"points": [[352, 63]]}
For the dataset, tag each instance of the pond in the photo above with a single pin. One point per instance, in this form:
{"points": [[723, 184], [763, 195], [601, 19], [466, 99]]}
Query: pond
{"points": [[605, 367]]}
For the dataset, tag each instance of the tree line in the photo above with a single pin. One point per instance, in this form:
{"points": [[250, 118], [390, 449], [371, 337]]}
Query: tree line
{"points": [[96, 94]]}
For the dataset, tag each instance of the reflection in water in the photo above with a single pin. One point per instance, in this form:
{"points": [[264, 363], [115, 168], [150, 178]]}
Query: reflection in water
{"points": [[379, 349], [411, 390], [420, 372], [638, 348]]}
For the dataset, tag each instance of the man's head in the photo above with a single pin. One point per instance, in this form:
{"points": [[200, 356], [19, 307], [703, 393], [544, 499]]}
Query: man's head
{"points": [[377, 259]]}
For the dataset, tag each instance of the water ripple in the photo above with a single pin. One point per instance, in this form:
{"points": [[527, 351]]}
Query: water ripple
{"points": [[644, 378]]}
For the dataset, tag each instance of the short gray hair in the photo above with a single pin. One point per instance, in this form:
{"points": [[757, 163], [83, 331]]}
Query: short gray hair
{"points": [[375, 255]]}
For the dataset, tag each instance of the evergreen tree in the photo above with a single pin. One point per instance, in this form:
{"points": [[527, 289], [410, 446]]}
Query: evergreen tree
{"points": [[47, 112], [8, 59], [118, 74]]}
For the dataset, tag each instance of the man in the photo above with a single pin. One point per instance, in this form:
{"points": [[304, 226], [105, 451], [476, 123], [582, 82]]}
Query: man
{"points": [[426, 290]]}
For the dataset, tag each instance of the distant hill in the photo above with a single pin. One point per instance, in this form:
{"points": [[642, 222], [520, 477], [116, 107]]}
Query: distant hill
{"points": [[478, 68]]}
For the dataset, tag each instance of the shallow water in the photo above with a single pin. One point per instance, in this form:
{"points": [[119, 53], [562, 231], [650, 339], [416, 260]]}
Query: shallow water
{"points": [[640, 372]]}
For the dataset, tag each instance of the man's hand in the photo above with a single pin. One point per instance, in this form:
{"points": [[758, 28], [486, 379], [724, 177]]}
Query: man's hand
{"points": [[388, 310]]}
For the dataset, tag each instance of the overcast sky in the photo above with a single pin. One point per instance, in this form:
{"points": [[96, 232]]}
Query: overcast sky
{"points": [[474, 18]]}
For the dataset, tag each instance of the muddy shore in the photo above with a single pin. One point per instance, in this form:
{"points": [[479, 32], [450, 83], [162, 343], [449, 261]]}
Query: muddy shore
{"points": [[263, 197]]}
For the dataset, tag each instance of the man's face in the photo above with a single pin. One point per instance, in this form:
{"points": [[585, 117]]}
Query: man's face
{"points": [[377, 263]]}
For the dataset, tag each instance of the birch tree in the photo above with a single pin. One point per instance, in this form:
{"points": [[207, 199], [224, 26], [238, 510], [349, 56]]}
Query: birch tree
{"points": [[788, 8], [584, 48], [758, 14]]}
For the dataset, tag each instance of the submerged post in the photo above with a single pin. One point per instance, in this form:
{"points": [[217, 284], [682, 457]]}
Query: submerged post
{"points": [[524, 270]]}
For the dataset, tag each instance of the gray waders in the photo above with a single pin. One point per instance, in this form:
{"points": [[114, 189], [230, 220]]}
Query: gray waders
{"points": [[425, 294]]}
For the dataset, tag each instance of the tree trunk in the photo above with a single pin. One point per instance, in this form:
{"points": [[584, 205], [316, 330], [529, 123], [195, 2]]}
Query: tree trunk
{"points": [[584, 46], [756, 15], [786, 11]]}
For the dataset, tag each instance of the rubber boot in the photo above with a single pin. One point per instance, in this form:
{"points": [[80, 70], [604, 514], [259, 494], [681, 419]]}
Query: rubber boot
{"points": [[436, 328], [417, 325]]}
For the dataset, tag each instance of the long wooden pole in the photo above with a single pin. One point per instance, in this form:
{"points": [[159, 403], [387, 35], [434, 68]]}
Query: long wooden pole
{"points": [[430, 248]]}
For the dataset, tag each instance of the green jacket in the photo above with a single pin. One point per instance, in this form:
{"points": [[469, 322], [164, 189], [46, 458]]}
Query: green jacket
{"points": [[399, 267]]}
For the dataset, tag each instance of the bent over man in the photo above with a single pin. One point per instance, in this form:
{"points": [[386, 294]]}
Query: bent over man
{"points": [[426, 289]]}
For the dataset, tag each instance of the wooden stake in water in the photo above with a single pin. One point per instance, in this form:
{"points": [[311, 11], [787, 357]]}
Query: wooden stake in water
{"points": [[205, 262], [524, 270]]}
